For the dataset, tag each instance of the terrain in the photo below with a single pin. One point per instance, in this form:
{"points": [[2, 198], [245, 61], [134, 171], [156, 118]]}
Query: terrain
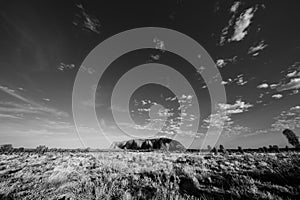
{"points": [[149, 175], [149, 144]]}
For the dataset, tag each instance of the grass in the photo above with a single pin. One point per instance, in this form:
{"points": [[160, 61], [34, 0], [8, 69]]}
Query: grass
{"points": [[150, 175]]}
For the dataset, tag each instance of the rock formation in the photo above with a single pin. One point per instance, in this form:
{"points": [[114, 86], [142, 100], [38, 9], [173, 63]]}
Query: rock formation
{"points": [[149, 144]]}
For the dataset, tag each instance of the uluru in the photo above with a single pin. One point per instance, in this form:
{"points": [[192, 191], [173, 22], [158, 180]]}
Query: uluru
{"points": [[149, 144]]}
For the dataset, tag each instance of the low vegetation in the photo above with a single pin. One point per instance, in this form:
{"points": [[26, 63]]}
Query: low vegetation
{"points": [[149, 175]]}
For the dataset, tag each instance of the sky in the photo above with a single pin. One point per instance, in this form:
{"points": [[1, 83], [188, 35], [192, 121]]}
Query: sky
{"points": [[255, 46]]}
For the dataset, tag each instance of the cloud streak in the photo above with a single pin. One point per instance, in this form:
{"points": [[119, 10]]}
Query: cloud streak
{"points": [[30, 106]]}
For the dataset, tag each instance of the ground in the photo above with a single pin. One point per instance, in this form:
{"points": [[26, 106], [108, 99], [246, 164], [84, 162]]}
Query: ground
{"points": [[150, 175]]}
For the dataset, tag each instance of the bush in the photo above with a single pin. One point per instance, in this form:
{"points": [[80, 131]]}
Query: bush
{"points": [[292, 138], [240, 149]]}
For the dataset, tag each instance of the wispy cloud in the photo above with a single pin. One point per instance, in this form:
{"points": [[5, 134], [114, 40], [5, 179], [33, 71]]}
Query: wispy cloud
{"points": [[14, 94], [238, 107], [222, 118], [28, 106], [263, 86], [241, 25], [63, 66], [293, 83], [238, 24], [287, 119], [277, 96], [223, 62], [235, 6], [291, 80], [9, 116], [86, 21], [159, 44], [255, 50], [89, 70], [240, 80]]}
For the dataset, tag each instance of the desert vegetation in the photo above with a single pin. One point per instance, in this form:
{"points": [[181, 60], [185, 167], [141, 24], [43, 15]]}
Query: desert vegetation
{"points": [[149, 175]]}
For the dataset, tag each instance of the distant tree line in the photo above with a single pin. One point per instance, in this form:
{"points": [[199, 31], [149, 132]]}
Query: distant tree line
{"points": [[41, 149], [289, 134]]}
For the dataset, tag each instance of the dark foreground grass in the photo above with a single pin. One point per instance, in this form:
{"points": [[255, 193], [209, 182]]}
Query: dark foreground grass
{"points": [[151, 175]]}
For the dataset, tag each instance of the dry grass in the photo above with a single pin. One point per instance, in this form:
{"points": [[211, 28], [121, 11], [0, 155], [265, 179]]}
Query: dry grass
{"points": [[151, 175]]}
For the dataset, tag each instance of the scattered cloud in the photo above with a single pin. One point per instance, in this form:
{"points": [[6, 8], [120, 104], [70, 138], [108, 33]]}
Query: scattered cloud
{"points": [[9, 116], [241, 25], [63, 66], [255, 50], [287, 119], [223, 62], [28, 105], [291, 81], [240, 80], [237, 25], [86, 21], [220, 63], [222, 118], [238, 107], [235, 6], [277, 96], [159, 44], [263, 86], [273, 86], [14, 93], [89, 70]]}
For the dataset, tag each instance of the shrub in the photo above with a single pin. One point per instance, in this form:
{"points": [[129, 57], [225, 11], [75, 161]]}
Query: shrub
{"points": [[222, 149], [292, 138], [240, 149]]}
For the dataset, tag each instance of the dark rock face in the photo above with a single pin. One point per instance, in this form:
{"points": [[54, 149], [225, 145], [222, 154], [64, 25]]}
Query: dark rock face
{"points": [[149, 144]]}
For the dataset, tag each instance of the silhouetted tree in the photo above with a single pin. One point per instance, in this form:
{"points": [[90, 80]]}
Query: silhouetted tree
{"points": [[6, 148], [276, 149], [41, 149], [265, 149], [214, 150], [270, 148], [286, 148], [208, 147], [221, 149], [240, 149], [292, 138]]}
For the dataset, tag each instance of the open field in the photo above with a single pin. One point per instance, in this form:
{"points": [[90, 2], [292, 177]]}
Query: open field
{"points": [[150, 175]]}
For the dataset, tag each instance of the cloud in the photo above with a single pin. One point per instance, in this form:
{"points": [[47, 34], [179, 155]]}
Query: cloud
{"points": [[9, 116], [238, 107], [222, 118], [30, 106], [293, 83], [291, 80], [86, 21], [223, 62], [220, 63], [287, 119], [240, 80], [89, 70], [63, 66], [242, 24], [159, 44], [263, 86], [277, 96], [235, 6], [14, 94], [254, 50]]}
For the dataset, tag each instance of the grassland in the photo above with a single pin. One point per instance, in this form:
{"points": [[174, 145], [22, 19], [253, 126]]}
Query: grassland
{"points": [[149, 175]]}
